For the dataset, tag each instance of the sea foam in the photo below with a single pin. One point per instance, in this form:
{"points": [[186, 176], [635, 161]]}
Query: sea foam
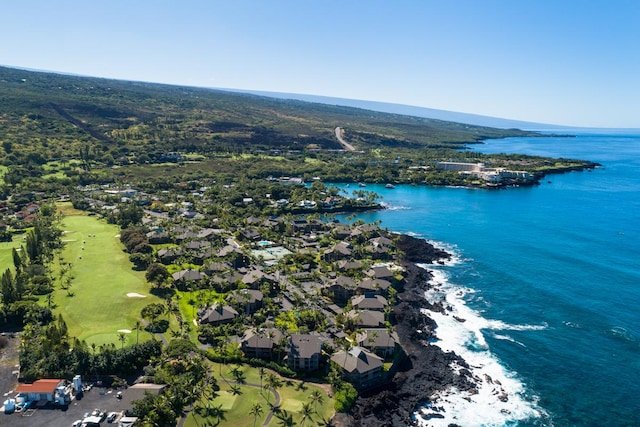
{"points": [[500, 397]]}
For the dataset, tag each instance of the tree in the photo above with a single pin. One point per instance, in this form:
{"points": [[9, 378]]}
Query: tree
{"points": [[261, 372], [285, 418], [306, 412], [151, 312], [256, 410], [157, 274], [129, 215], [18, 261], [123, 338], [272, 382], [316, 397], [8, 288]]}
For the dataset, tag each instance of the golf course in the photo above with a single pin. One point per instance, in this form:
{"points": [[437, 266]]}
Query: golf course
{"points": [[105, 295]]}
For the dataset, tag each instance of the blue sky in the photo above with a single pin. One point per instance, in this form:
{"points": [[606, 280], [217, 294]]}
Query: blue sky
{"points": [[569, 62]]}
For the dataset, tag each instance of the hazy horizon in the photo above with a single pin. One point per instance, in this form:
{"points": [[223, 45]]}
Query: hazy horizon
{"points": [[565, 63]]}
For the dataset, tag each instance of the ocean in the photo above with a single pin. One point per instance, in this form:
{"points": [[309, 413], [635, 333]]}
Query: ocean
{"points": [[547, 281]]}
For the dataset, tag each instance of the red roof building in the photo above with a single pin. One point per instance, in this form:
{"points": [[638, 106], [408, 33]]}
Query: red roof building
{"points": [[41, 389]]}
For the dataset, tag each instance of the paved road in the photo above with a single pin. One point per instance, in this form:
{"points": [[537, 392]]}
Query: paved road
{"points": [[344, 143]]}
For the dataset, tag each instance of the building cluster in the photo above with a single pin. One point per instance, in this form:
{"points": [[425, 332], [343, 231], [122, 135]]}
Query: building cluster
{"points": [[347, 274], [480, 171]]}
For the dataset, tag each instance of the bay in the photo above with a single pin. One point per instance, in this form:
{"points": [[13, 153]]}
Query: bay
{"points": [[549, 280]]}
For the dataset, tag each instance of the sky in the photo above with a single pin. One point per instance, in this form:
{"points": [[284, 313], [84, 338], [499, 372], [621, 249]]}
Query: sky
{"points": [[566, 62]]}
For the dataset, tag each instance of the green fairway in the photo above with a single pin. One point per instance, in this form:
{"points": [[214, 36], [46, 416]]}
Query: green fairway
{"points": [[6, 250], [106, 292]]}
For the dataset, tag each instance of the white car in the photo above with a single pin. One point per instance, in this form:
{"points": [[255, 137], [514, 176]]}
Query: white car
{"points": [[76, 423]]}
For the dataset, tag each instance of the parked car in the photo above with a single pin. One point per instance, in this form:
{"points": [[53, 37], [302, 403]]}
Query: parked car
{"points": [[112, 417], [76, 423]]}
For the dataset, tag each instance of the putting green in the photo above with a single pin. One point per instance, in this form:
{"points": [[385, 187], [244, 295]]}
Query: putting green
{"points": [[226, 400], [292, 405]]}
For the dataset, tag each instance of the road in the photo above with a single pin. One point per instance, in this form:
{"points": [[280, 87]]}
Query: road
{"points": [[344, 143]]}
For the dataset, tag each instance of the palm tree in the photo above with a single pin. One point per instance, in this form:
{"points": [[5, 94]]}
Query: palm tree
{"points": [[256, 411], [286, 419], [306, 413], [316, 397], [137, 327], [238, 374], [261, 372], [123, 338], [272, 382]]}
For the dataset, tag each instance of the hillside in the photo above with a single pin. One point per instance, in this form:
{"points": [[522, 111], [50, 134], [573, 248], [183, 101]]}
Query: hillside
{"points": [[48, 116]]}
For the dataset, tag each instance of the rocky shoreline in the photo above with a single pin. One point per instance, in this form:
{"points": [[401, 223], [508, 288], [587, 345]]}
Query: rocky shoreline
{"points": [[425, 368]]}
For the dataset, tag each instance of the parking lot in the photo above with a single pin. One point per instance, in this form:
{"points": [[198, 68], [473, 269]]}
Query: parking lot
{"points": [[102, 399]]}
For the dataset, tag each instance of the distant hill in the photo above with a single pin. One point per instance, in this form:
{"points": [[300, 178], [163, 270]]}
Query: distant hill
{"points": [[409, 110], [46, 116]]}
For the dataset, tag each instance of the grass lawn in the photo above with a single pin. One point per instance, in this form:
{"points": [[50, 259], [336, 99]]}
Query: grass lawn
{"points": [[6, 251], [102, 278], [236, 407]]}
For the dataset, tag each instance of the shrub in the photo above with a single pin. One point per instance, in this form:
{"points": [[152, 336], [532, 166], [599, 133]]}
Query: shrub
{"points": [[345, 397]]}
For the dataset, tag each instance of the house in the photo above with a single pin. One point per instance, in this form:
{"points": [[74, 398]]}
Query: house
{"points": [[341, 231], [184, 277], [211, 234], [170, 254], [359, 366], [381, 272], [200, 250], [250, 234], [378, 251], [234, 255], [249, 299], [158, 237], [369, 302], [218, 267], [303, 352], [340, 289], [366, 318], [349, 265], [379, 340], [341, 250], [373, 286], [260, 343], [255, 278], [217, 314], [50, 390]]}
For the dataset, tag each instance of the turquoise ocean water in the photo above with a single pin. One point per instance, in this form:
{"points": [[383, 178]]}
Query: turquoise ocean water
{"points": [[547, 279]]}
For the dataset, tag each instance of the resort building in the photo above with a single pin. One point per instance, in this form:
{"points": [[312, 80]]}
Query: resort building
{"points": [[360, 367]]}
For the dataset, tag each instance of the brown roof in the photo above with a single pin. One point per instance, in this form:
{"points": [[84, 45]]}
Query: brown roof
{"points": [[39, 386]]}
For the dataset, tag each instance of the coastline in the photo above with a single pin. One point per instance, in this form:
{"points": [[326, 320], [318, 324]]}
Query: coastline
{"points": [[425, 369]]}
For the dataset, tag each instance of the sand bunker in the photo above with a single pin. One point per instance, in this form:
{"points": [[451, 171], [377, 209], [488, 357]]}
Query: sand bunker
{"points": [[135, 295], [124, 331]]}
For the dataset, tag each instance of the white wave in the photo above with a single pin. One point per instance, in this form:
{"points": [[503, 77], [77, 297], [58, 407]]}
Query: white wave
{"points": [[572, 325], [621, 333], [500, 398], [507, 338], [391, 207]]}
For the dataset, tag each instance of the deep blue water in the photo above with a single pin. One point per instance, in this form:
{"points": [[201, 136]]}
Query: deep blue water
{"points": [[562, 257]]}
